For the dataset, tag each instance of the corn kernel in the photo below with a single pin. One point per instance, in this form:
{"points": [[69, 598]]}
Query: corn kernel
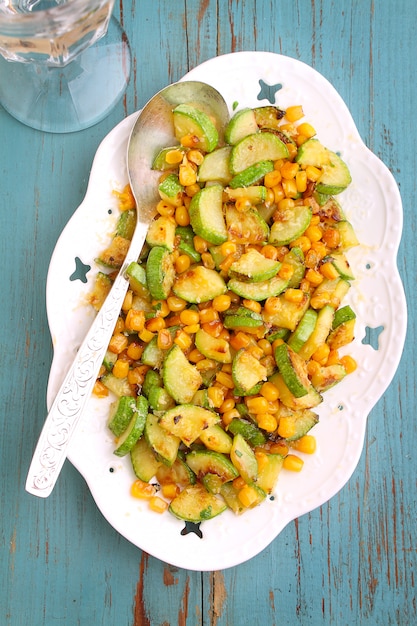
{"points": [[328, 270], [141, 489], [189, 316], [269, 391], [118, 343], [225, 379], [165, 339], [267, 422], [182, 263], [294, 113], [348, 363], [134, 351], [257, 404], [146, 335], [176, 304], [187, 174], [293, 463], [208, 260], [228, 247], [314, 277], [294, 295], [289, 170], [306, 444], [239, 340], [321, 354], [247, 495], [252, 305], [228, 416], [279, 448], [239, 483], [286, 427], [200, 244], [120, 368], [170, 490], [164, 208], [216, 397], [272, 178], [155, 324], [157, 504], [301, 181], [302, 242], [182, 217], [313, 173], [183, 340], [100, 390], [314, 233], [208, 315], [270, 252], [221, 303], [306, 129]]}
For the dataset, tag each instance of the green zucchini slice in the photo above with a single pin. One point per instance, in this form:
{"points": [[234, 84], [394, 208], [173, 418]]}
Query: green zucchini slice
{"points": [[247, 371], [215, 166], [211, 347], [254, 148], [291, 225], [160, 272], [121, 412], [199, 284], [286, 314], [191, 121], [206, 214], [254, 267], [161, 232], [164, 444], [134, 430], [244, 459], [293, 370], [303, 330], [195, 504], [245, 227], [253, 435], [269, 472], [335, 176], [209, 462], [258, 291], [320, 333], [171, 190], [188, 421], [181, 378], [252, 174], [144, 462], [243, 123], [215, 438]]}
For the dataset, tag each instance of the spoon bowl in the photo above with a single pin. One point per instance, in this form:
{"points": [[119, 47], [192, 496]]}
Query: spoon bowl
{"points": [[152, 131]]}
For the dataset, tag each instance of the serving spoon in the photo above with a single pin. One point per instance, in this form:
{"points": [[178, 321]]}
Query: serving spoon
{"points": [[152, 131]]}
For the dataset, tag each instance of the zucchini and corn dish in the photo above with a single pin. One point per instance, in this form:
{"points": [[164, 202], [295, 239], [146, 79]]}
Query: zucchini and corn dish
{"points": [[232, 327]]}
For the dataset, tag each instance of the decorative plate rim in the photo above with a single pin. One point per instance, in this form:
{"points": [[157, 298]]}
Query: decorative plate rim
{"points": [[229, 540]]}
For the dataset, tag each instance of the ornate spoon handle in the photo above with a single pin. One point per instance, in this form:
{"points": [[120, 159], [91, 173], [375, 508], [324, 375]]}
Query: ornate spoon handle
{"points": [[70, 401]]}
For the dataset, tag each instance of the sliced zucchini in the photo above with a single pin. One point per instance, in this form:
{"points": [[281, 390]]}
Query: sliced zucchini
{"points": [[179, 473], [327, 376], [160, 399], [144, 462], [209, 462], [206, 214], [295, 258], [340, 262], [113, 256], [254, 148], [187, 422], [252, 174], [243, 123], [254, 193], [253, 435], [109, 360], [286, 314], [269, 471], [343, 315], [119, 386], [126, 224], [152, 380], [242, 317], [293, 370], [181, 378], [137, 279], [215, 167], [230, 494], [152, 354], [160, 272], [171, 190], [268, 117], [201, 398], [186, 243], [199, 284], [343, 333], [291, 224], [244, 459], [254, 267], [348, 238], [245, 226], [335, 176], [258, 291], [189, 120], [320, 333], [161, 232], [331, 291], [303, 331], [299, 422], [195, 504], [213, 483], [215, 438], [160, 162], [247, 371], [211, 347], [133, 432], [164, 444], [121, 412], [311, 399]]}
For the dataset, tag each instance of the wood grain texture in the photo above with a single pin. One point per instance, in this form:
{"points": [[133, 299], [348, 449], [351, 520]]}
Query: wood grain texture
{"points": [[353, 561]]}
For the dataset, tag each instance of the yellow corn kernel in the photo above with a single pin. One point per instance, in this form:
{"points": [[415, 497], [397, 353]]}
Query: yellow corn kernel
{"points": [[183, 340], [294, 113], [228, 247], [247, 495], [227, 367], [276, 343], [286, 271], [306, 444], [293, 463], [302, 242], [176, 304], [134, 351], [262, 459], [187, 174], [306, 129], [120, 368], [285, 204], [182, 263], [278, 192], [239, 340], [164, 208], [126, 200], [225, 379], [255, 351], [348, 363], [146, 335], [221, 303], [189, 316], [174, 157], [227, 405], [216, 397], [294, 295], [136, 376], [314, 233], [135, 320], [194, 356], [225, 265], [252, 305], [191, 329], [331, 238], [313, 367], [208, 261], [321, 354], [170, 490], [120, 326], [155, 324], [328, 270], [228, 416], [267, 422], [314, 277], [301, 181], [208, 315], [272, 178], [333, 358], [200, 244], [158, 505], [265, 346], [313, 173], [269, 391], [182, 217], [118, 343], [242, 203], [165, 339], [289, 170], [127, 302], [191, 190], [143, 490], [320, 248], [318, 302], [292, 151], [100, 390], [239, 483], [286, 427], [257, 404]]}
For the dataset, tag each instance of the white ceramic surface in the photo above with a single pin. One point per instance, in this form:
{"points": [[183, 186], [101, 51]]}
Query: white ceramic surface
{"points": [[373, 205]]}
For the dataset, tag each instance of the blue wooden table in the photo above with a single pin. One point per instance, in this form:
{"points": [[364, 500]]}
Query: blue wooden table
{"points": [[352, 561]]}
